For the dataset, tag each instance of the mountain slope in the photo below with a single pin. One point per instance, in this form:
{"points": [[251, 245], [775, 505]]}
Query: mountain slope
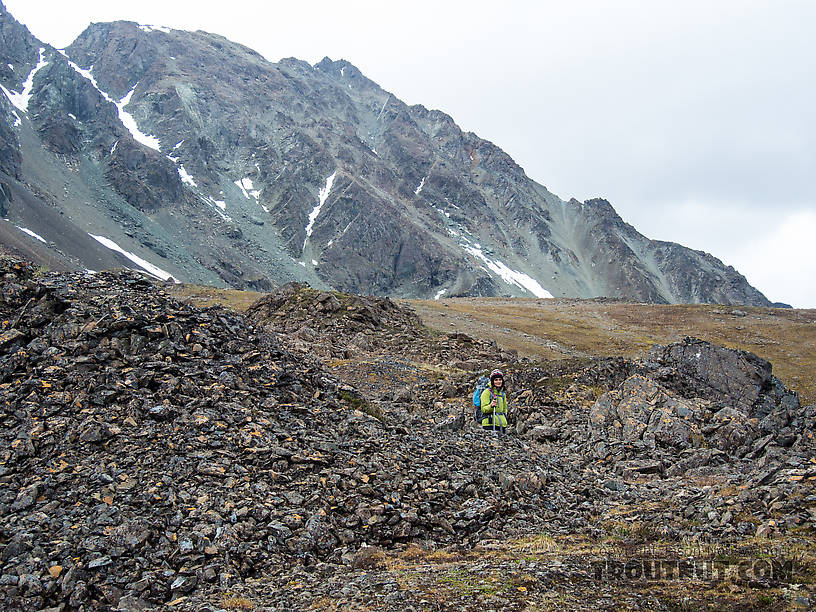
{"points": [[216, 166]]}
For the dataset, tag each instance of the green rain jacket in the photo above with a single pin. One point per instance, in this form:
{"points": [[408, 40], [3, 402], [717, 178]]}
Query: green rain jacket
{"points": [[501, 407]]}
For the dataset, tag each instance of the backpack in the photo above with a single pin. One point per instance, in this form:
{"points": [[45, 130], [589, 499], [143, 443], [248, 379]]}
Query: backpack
{"points": [[481, 384]]}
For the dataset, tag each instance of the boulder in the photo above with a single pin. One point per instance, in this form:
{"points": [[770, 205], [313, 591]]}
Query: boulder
{"points": [[697, 369]]}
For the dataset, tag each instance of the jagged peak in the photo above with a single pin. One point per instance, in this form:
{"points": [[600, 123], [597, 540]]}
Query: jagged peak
{"points": [[149, 31], [341, 67], [600, 203], [295, 63]]}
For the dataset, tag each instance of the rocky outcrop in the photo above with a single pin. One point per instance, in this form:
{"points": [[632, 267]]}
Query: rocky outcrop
{"points": [[145, 178], [640, 411], [695, 396], [730, 377], [10, 157]]}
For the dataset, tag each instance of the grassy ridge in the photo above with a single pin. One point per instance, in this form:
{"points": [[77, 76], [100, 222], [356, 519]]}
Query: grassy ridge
{"points": [[559, 328], [555, 328]]}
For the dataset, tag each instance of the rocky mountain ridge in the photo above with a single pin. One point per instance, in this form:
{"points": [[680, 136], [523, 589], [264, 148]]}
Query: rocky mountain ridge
{"points": [[157, 453], [194, 157]]}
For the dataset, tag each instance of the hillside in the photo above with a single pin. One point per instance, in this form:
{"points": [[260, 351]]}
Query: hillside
{"points": [[555, 329], [318, 452]]}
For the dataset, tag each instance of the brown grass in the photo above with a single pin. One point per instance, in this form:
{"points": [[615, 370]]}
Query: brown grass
{"points": [[559, 328], [554, 329], [212, 296], [231, 602], [446, 582]]}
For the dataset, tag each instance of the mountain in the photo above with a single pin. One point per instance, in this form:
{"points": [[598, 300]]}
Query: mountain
{"points": [[195, 158]]}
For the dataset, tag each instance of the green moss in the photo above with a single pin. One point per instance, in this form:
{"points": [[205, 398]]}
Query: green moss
{"points": [[556, 384], [464, 583], [358, 403]]}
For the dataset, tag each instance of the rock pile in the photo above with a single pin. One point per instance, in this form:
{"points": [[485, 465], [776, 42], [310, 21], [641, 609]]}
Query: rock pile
{"points": [[155, 452], [334, 325], [308, 318], [153, 449], [690, 410]]}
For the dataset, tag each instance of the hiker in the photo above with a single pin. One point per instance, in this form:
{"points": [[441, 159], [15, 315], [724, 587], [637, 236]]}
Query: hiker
{"points": [[494, 404]]}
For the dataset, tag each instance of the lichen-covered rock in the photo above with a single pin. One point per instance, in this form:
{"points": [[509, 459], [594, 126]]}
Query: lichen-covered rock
{"points": [[640, 410]]}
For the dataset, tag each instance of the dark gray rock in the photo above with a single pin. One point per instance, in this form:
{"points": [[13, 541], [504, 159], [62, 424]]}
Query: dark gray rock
{"points": [[737, 379], [26, 498], [146, 472]]}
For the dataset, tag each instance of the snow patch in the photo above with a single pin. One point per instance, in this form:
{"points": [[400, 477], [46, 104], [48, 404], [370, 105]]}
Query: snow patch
{"points": [[10, 66], [72, 116], [314, 262], [185, 176], [31, 233], [130, 123], [323, 195], [511, 277], [126, 118], [219, 206], [89, 76], [21, 99], [142, 263], [383, 107], [246, 187], [421, 185], [17, 121], [178, 144], [154, 28], [440, 293]]}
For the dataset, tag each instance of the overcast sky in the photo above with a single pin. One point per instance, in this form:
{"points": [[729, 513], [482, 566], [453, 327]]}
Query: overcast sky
{"points": [[695, 119]]}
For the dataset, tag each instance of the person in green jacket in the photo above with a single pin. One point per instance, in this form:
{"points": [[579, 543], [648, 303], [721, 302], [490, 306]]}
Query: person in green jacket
{"points": [[494, 404]]}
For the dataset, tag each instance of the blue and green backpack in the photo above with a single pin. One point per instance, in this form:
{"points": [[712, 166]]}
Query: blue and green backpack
{"points": [[481, 384]]}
